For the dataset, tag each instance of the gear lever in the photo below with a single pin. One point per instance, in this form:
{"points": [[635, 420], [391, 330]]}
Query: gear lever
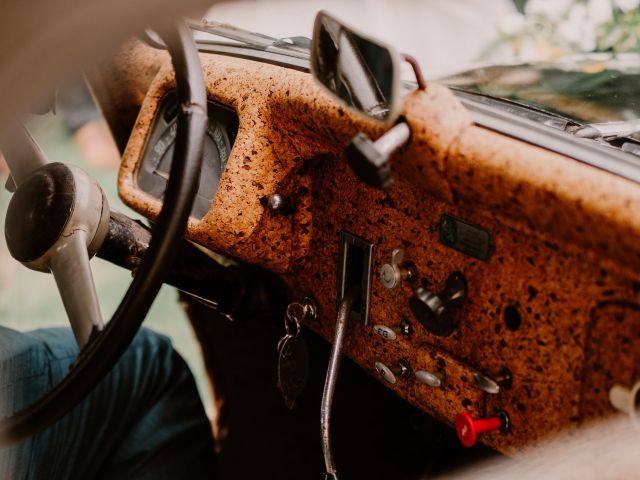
{"points": [[330, 382]]}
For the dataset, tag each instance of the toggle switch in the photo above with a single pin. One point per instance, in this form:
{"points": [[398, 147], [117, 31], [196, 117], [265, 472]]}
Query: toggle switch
{"points": [[389, 374], [492, 385], [429, 379], [468, 428], [625, 400]]}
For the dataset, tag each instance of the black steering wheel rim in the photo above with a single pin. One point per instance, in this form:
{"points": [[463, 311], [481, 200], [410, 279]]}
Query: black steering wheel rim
{"points": [[101, 354]]}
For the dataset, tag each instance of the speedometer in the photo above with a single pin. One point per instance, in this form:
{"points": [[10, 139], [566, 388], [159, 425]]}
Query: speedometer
{"points": [[158, 154]]}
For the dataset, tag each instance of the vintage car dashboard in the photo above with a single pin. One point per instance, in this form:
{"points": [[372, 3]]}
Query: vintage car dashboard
{"points": [[545, 248]]}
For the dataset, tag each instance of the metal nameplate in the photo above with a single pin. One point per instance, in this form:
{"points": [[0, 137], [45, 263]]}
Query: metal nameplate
{"points": [[465, 237]]}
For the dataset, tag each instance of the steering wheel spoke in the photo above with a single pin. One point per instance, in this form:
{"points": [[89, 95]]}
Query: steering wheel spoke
{"points": [[72, 271], [22, 153]]}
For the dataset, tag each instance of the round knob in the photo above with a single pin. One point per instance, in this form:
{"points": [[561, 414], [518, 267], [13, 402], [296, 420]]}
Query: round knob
{"points": [[429, 310], [434, 311], [468, 428]]}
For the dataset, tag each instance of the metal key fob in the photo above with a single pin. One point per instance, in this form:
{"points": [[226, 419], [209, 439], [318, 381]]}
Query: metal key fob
{"points": [[293, 358]]}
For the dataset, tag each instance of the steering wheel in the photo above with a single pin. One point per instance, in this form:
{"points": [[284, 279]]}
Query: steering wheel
{"points": [[57, 220]]}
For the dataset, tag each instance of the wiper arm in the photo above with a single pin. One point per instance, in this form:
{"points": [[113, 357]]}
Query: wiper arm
{"points": [[609, 130], [254, 40]]}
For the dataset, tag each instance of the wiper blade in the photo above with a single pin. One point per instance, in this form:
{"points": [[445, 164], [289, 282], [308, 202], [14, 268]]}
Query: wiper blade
{"points": [[285, 46], [609, 130], [523, 110]]}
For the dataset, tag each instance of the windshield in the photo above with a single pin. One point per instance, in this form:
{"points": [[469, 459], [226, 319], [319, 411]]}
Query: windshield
{"points": [[587, 89]]}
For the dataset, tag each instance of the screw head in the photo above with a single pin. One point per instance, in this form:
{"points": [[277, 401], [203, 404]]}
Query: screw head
{"points": [[275, 202]]}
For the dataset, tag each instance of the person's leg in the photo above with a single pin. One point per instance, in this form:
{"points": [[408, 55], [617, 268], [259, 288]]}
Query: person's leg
{"points": [[144, 420]]}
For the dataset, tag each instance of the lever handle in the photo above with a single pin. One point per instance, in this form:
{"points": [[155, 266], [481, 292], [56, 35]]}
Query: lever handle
{"points": [[370, 160]]}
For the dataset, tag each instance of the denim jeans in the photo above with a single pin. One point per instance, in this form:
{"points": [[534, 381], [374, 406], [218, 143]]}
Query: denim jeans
{"points": [[145, 419]]}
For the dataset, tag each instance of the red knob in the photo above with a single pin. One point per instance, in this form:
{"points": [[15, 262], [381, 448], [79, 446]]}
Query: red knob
{"points": [[468, 427]]}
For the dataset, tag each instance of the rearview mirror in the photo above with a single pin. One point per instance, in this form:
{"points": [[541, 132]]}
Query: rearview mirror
{"points": [[360, 72]]}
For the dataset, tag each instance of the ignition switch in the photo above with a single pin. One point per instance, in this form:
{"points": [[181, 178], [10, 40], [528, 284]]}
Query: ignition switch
{"points": [[392, 274], [434, 311]]}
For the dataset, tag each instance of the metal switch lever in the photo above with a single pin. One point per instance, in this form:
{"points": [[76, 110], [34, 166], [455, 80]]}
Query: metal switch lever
{"points": [[390, 374], [430, 379], [625, 400], [493, 385], [370, 160]]}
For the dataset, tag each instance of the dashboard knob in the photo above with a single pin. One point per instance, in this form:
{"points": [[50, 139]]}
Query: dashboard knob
{"points": [[434, 311], [468, 428], [370, 160], [390, 374]]}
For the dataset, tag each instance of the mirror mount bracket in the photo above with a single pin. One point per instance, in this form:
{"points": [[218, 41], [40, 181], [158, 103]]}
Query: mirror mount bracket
{"points": [[417, 71], [370, 160]]}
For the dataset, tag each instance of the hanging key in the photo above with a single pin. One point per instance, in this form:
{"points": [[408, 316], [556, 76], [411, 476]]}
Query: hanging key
{"points": [[293, 358]]}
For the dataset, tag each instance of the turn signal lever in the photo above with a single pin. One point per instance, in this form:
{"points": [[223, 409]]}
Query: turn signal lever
{"points": [[434, 311], [370, 160]]}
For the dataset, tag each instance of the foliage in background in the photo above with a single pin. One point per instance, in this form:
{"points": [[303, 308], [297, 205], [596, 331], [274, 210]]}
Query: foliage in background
{"points": [[547, 29]]}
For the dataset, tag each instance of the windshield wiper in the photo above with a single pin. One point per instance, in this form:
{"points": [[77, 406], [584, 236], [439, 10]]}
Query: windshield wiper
{"points": [[294, 47], [608, 131]]}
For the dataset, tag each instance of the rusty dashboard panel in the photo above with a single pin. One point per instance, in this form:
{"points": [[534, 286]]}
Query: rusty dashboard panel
{"points": [[548, 249]]}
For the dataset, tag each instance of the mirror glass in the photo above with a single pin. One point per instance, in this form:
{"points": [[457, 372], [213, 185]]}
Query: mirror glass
{"points": [[361, 72]]}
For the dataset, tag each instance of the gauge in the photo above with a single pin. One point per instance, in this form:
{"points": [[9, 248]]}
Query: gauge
{"points": [[153, 173]]}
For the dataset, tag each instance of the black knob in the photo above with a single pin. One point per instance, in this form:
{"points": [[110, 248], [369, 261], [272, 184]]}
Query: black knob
{"points": [[371, 165], [370, 160], [435, 311]]}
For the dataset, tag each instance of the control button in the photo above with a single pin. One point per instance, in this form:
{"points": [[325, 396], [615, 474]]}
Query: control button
{"points": [[392, 274], [385, 372], [430, 379], [492, 386], [468, 428], [433, 311], [384, 332]]}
